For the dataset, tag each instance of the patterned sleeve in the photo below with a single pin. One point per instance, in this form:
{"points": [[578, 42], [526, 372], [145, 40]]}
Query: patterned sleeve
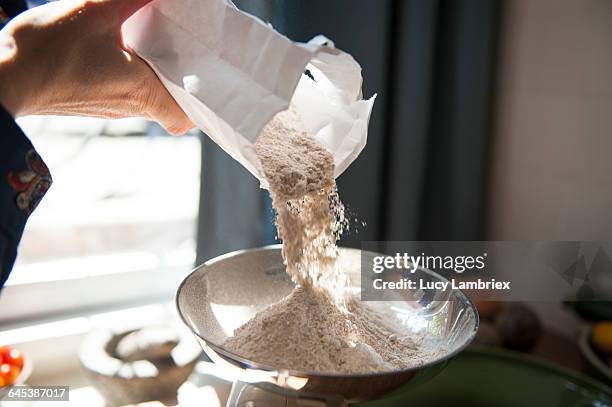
{"points": [[24, 179]]}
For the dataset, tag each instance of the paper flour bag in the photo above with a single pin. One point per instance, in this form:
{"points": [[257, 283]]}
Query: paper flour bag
{"points": [[231, 73]]}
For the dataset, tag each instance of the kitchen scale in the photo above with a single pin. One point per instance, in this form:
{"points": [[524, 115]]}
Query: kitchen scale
{"points": [[226, 292]]}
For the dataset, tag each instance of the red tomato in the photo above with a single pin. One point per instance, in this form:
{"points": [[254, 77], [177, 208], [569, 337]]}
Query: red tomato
{"points": [[9, 373], [14, 358], [4, 351], [2, 382]]}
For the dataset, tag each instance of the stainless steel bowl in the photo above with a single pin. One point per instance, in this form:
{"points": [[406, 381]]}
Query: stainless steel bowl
{"points": [[228, 291]]}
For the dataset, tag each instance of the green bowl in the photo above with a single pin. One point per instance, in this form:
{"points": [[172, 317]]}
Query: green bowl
{"points": [[491, 377]]}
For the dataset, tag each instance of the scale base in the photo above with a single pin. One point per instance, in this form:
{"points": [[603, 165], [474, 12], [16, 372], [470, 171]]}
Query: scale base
{"points": [[248, 395]]}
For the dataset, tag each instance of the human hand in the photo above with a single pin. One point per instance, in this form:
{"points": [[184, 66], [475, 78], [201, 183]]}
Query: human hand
{"points": [[68, 58]]}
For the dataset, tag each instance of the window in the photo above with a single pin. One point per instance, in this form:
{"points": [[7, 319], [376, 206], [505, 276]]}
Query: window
{"points": [[119, 222]]}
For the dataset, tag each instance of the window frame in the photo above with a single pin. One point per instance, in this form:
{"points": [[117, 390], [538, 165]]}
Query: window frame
{"points": [[22, 304]]}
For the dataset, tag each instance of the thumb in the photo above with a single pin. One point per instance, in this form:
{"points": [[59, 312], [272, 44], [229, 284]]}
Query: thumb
{"points": [[169, 114]]}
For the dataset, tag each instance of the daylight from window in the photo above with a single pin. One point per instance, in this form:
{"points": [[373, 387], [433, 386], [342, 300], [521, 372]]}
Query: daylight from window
{"points": [[124, 198]]}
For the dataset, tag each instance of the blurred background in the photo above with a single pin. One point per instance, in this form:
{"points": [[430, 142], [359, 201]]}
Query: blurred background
{"points": [[493, 121]]}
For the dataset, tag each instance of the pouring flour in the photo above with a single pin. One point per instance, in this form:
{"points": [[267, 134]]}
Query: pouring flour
{"points": [[245, 86]]}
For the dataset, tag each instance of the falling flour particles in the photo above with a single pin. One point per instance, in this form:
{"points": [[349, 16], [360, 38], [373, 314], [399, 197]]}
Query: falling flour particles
{"points": [[317, 328]]}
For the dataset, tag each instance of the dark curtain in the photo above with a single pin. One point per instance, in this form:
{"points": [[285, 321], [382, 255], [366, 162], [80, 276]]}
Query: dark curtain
{"points": [[460, 125], [422, 175]]}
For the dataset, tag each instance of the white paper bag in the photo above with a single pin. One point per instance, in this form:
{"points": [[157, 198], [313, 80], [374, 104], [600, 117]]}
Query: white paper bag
{"points": [[231, 73]]}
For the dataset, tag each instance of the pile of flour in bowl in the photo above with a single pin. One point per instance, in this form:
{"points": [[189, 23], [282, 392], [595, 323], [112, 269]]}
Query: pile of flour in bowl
{"points": [[318, 327]]}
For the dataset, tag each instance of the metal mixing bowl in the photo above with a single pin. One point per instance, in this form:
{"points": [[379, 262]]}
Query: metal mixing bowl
{"points": [[228, 291]]}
